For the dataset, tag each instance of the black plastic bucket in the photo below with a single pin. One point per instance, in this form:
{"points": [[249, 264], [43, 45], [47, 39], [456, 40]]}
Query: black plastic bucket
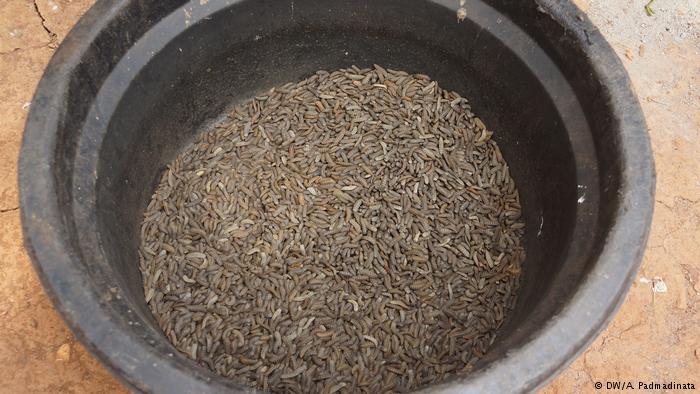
{"points": [[135, 80]]}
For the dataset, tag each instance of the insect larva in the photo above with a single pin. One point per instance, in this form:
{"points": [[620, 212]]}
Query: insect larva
{"points": [[355, 231], [293, 373]]}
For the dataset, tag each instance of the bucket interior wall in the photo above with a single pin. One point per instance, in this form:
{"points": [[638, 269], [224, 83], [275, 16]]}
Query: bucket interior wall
{"points": [[175, 85]]}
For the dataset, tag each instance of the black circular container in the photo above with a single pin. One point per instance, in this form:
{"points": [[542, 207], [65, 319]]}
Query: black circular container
{"points": [[135, 80]]}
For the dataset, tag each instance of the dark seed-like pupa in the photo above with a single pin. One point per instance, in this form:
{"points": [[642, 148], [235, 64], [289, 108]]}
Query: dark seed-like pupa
{"points": [[355, 231]]}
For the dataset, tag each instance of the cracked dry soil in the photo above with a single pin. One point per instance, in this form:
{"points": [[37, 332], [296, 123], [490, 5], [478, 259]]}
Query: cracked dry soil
{"points": [[51, 34], [653, 336]]}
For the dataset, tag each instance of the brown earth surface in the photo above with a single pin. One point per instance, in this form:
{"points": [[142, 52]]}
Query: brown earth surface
{"points": [[654, 337]]}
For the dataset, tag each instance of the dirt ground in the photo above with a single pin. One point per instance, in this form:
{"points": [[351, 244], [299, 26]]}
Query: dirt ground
{"points": [[654, 337]]}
